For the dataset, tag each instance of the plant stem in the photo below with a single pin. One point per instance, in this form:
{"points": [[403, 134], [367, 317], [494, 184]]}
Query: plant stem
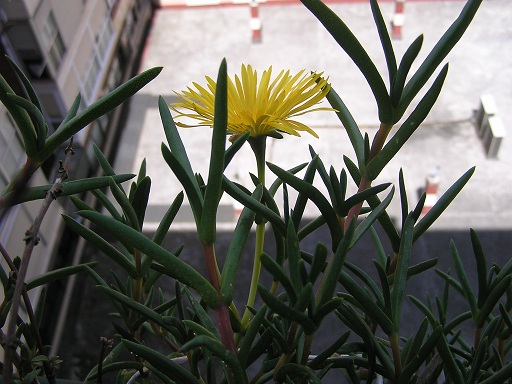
{"points": [[31, 240], [365, 183], [221, 312], [395, 348], [258, 145]]}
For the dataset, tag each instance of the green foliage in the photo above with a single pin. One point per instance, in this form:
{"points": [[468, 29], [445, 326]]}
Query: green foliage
{"points": [[197, 334]]}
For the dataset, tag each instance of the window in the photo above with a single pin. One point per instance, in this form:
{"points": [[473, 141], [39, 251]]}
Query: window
{"points": [[102, 46], [11, 150], [55, 48]]}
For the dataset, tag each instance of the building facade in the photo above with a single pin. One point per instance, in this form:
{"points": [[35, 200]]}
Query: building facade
{"points": [[65, 48]]}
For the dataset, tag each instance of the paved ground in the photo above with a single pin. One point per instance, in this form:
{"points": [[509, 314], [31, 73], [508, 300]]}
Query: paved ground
{"points": [[190, 43]]}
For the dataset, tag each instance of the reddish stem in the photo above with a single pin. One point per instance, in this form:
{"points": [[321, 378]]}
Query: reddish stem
{"points": [[221, 312]]}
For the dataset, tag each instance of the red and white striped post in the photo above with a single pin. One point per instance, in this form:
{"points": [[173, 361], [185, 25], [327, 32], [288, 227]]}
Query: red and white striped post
{"points": [[255, 22], [398, 20], [431, 187]]}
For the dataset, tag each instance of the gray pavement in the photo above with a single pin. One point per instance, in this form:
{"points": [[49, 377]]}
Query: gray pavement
{"points": [[191, 42]]}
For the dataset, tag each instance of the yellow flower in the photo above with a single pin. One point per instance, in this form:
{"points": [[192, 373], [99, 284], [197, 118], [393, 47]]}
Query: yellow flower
{"points": [[262, 108]]}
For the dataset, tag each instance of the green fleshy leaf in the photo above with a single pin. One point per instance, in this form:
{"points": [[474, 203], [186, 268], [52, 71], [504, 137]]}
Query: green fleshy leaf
{"points": [[366, 302], [438, 54], [368, 281], [401, 76], [96, 110], [492, 299], [302, 199], [141, 198], [481, 268], [57, 274], [350, 125], [405, 131], [177, 268], [420, 354], [250, 336], [334, 266], [108, 249], [21, 118], [359, 197], [162, 363], [208, 228], [316, 197], [318, 263], [464, 280], [68, 188], [451, 368], [443, 203], [187, 180], [279, 275], [404, 256], [403, 196], [385, 39], [368, 221], [26, 84], [104, 163], [235, 147], [168, 218], [220, 351], [36, 115], [235, 251], [200, 313], [346, 39], [260, 209], [125, 205], [285, 311]]}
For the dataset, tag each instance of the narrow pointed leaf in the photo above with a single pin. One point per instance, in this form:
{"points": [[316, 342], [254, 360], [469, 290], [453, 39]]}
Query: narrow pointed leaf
{"points": [[464, 280], [141, 198], [438, 53], [316, 197], [346, 39], [250, 336], [187, 180], [253, 204], [450, 366], [68, 188], [443, 203], [162, 363], [221, 352], [57, 274], [350, 125], [200, 312], [404, 256], [405, 66], [208, 227], [302, 199], [97, 109], [385, 39], [104, 246], [36, 115], [374, 215], [360, 197], [334, 267], [235, 251], [494, 296], [481, 268], [178, 269], [125, 204], [168, 218], [20, 117], [104, 163], [26, 84], [410, 125]]}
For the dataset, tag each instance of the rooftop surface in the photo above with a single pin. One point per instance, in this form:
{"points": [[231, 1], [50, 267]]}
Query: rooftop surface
{"points": [[190, 42]]}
